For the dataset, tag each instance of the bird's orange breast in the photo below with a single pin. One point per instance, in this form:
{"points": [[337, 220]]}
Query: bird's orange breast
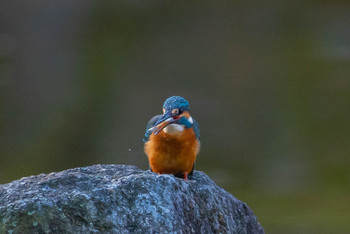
{"points": [[172, 154]]}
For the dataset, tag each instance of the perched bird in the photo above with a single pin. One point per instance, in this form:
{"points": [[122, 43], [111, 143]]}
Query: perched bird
{"points": [[172, 139]]}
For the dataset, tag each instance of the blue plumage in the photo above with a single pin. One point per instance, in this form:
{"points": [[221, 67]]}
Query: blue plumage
{"points": [[150, 126], [196, 129], [172, 139], [174, 102]]}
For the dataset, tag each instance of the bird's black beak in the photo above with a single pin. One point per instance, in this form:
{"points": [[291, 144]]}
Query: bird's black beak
{"points": [[165, 120]]}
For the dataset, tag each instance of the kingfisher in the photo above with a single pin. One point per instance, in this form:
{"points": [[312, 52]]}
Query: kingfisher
{"points": [[172, 139]]}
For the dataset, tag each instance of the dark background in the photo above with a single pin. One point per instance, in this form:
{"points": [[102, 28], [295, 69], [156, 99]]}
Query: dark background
{"points": [[268, 82]]}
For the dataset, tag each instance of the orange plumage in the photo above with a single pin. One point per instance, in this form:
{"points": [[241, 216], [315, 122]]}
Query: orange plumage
{"points": [[172, 154], [172, 139]]}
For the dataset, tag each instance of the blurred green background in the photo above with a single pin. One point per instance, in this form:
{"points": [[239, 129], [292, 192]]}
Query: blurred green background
{"points": [[268, 82]]}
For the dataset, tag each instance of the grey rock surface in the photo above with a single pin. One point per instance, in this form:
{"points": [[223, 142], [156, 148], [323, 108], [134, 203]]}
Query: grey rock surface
{"points": [[121, 199]]}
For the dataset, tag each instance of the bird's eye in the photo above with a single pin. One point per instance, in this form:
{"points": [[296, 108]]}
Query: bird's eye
{"points": [[181, 111], [175, 111]]}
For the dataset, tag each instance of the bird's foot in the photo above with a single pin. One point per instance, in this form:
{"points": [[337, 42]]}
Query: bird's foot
{"points": [[185, 176]]}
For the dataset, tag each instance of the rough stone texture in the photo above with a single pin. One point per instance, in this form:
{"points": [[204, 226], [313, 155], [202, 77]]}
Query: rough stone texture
{"points": [[121, 199]]}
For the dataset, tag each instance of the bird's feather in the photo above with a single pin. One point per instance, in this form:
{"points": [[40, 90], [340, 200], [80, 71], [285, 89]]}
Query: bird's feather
{"points": [[196, 129], [150, 126]]}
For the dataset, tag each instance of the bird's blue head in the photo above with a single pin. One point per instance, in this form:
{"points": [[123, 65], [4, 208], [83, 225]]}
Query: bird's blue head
{"points": [[175, 110], [175, 102]]}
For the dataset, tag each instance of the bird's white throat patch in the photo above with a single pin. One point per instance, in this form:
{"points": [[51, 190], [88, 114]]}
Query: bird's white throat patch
{"points": [[173, 129]]}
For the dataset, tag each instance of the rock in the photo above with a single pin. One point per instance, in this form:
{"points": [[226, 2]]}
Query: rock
{"points": [[121, 199]]}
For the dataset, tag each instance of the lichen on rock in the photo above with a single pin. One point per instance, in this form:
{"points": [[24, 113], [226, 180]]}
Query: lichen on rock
{"points": [[121, 199]]}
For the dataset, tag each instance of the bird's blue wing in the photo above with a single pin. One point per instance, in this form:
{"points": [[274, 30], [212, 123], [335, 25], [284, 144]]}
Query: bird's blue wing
{"points": [[196, 129], [150, 126]]}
